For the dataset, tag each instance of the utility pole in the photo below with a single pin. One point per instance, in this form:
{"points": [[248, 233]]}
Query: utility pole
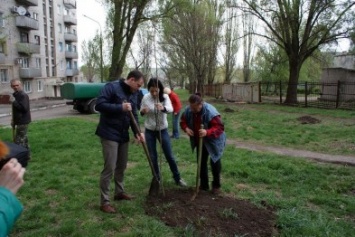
{"points": [[101, 58]]}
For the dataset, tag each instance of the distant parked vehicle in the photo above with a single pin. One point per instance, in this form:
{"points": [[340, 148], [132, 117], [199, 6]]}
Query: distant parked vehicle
{"points": [[83, 95]]}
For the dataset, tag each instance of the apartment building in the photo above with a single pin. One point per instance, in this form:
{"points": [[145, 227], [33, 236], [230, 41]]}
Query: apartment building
{"points": [[38, 44]]}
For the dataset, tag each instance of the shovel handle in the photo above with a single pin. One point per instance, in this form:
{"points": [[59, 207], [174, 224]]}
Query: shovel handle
{"points": [[199, 158], [137, 128]]}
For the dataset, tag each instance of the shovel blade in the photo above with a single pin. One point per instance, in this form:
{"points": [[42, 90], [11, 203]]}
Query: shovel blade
{"points": [[154, 187]]}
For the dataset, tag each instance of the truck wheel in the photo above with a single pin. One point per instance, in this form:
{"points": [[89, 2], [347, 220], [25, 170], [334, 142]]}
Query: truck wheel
{"points": [[92, 107], [80, 109]]}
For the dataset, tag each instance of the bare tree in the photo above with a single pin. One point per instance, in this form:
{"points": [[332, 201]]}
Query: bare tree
{"points": [[231, 44], [300, 27], [91, 58], [143, 55], [248, 29], [191, 38]]}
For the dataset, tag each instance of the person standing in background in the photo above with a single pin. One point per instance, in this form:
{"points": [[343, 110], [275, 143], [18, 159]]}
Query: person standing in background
{"points": [[21, 114], [175, 101]]}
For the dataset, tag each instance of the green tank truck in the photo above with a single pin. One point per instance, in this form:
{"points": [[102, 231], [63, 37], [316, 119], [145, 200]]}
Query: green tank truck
{"points": [[82, 95]]}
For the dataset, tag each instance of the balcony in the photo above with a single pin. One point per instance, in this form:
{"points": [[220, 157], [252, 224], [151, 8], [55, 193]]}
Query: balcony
{"points": [[2, 58], [71, 54], [30, 72], [27, 23], [70, 72], [71, 4], [70, 20], [28, 48], [70, 37], [27, 2]]}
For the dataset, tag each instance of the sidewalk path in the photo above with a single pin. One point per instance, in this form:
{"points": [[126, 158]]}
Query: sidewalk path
{"points": [[336, 159], [5, 110]]}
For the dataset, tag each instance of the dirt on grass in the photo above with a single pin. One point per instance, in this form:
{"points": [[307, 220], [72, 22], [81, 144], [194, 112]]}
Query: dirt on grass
{"points": [[211, 215]]}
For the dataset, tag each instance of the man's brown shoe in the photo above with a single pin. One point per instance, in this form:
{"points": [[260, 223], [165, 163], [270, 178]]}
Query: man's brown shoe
{"points": [[123, 196], [107, 208]]}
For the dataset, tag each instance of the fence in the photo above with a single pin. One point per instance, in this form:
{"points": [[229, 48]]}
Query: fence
{"points": [[330, 95], [238, 92]]}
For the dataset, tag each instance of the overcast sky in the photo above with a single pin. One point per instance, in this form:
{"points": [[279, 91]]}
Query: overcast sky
{"points": [[92, 8], [87, 28]]}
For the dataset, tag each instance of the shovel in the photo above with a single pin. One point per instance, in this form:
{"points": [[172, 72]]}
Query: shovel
{"points": [[13, 125], [199, 158], [155, 184]]}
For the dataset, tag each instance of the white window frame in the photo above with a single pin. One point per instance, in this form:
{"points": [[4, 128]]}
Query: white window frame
{"points": [[39, 86], [25, 63], [35, 15], [38, 62], [27, 86], [4, 75]]}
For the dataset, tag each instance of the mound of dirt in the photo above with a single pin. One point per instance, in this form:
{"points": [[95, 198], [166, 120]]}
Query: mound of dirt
{"points": [[211, 215], [228, 110], [308, 120]]}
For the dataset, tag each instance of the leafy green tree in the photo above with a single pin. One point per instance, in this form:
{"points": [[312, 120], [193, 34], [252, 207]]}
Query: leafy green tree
{"points": [[300, 28]]}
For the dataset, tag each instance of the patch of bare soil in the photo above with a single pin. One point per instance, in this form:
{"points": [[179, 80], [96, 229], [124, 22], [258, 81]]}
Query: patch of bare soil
{"points": [[211, 215], [308, 120]]}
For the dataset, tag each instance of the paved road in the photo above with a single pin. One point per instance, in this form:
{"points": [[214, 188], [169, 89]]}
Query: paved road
{"points": [[49, 112]]}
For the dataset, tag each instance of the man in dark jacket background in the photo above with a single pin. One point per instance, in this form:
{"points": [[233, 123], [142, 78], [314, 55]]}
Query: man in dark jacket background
{"points": [[21, 114], [115, 101]]}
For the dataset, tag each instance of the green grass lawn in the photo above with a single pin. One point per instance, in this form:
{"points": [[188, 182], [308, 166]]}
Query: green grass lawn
{"points": [[61, 193]]}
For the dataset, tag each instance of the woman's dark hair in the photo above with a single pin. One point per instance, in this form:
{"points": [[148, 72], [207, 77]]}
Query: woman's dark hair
{"points": [[155, 82], [195, 98]]}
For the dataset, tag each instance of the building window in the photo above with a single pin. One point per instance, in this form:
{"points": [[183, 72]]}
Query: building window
{"points": [[38, 63], [60, 27], [25, 62], [2, 23], [59, 7], [27, 86], [24, 37], [39, 86], [4, 75], [37, 39], [35, 15], [3, 47]]}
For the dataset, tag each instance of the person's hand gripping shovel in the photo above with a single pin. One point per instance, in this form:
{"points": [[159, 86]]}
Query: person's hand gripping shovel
{"points": [[155, 184], [199, 158]]}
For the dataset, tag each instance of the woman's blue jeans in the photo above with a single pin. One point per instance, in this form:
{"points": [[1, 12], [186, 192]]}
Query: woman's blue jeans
{"points": [[151, 138]]}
